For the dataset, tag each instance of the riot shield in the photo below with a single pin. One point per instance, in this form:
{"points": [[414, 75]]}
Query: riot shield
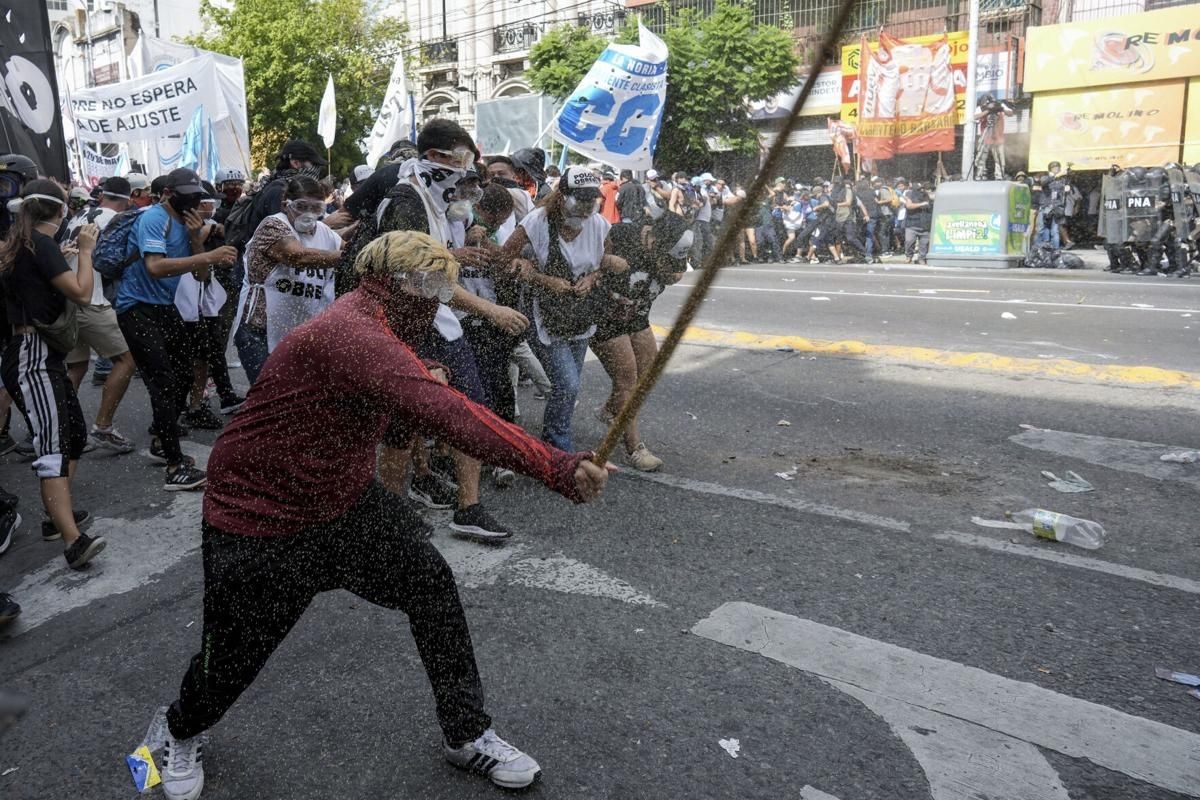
{"points": [[1141, 204], [1180, 197], [1114, 227], [1192, 201]]}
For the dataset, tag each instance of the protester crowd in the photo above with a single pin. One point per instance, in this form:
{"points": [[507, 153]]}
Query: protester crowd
{"points": [[158, 277]]}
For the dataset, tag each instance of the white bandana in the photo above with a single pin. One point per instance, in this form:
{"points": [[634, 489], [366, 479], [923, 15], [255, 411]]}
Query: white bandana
{"points": [[436, 184]]}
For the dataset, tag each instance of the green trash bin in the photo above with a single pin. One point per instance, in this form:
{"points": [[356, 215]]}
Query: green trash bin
{"points": [[980, 224]]}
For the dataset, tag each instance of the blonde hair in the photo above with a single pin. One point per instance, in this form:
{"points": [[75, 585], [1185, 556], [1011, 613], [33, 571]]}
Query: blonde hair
{"points": [[405, 251]]}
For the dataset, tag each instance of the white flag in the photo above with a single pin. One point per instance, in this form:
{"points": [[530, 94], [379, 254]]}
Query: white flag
{"points": [[615, 113], [395, 119], [327, 122]]}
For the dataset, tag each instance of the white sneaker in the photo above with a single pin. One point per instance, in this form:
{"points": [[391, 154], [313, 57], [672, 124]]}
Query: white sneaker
{"points": [[490, 755], [504, 478], [642, 459], [183, 767]]}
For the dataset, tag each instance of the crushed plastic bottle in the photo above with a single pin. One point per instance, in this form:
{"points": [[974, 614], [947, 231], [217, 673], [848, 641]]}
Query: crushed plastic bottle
{"points": [[1060, 527], [1049, 525]]}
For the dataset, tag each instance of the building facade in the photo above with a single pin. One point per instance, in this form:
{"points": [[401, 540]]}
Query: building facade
{"points": [[468, 51]]}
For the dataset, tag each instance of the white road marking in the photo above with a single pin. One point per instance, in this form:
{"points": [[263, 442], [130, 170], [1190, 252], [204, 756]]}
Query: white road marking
{"points": [[898, 272], [795, 504], [1003, 710], [809, 793], [561, 574], [1072, 560], [1126, 455], [139, 551], [939, 298], [961, 760]]}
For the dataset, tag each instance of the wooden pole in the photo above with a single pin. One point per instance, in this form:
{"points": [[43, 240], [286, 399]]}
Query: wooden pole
{"points": [[725, 245]]}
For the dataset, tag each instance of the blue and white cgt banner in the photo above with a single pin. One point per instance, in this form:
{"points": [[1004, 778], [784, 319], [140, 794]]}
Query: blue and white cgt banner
{"points": [[615, 114]]}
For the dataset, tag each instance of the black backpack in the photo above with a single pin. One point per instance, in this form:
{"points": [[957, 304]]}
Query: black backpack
{"points": [[564, 315], [237, 222]]}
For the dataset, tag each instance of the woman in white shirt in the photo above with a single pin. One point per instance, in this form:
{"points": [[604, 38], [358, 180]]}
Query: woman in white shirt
{"points": [[560, 249], [289, 273]]}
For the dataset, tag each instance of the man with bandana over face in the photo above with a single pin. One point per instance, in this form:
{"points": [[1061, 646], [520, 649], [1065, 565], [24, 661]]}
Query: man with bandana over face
{"points": [[167, 241], [293, 508]]}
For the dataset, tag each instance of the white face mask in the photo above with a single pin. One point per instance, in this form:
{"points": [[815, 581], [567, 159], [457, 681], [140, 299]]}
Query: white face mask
{"points": [[306, 223], [459, 211], [578, 208]]}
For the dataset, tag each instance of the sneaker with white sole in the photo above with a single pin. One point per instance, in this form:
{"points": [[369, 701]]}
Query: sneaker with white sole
{"points": [[83, 550], [642, 459], [474, 522], [185, 478], [9, 522], [490, 755], [504, 478], [183, 767], [111, 439], [232, 405], [431, 491]]}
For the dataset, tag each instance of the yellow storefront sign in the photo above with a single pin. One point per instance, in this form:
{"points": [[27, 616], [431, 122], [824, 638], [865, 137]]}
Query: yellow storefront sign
{"points": [[1150, 46], [1134, 125], [1191, 126], [958, 63]]}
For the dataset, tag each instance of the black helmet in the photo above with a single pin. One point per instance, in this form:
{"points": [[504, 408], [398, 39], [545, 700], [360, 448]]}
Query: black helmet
{"points": [[1170, 165], [22, 165], [531, 160], [1156, 174], [986, 100], [1137, 173]]}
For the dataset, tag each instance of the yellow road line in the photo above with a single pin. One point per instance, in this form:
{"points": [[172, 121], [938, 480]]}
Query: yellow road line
{"points": [[927, 356]]}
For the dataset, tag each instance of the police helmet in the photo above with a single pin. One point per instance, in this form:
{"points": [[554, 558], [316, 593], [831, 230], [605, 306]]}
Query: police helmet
{"points": [[22, 165], [1137, 173], [230, 174]]}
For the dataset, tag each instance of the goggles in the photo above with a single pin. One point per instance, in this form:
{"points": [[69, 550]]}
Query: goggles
{"points": [[430, 285], [460, 157], [307, 207]]}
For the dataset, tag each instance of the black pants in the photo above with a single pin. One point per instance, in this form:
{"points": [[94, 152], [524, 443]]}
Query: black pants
{"points": [[492, 348], [211, 338], [162, 349], [257, 588]]}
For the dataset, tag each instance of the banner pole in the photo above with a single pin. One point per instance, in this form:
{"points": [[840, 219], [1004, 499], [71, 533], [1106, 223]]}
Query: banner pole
{"points": [[968, 152]]}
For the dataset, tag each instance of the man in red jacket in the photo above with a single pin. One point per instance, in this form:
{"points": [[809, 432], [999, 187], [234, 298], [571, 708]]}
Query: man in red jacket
{"points": [[293, 508]]}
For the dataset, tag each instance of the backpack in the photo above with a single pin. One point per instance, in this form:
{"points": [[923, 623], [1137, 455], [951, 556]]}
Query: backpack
{"points": [[112, 255], [237, 222], [687, 208]]}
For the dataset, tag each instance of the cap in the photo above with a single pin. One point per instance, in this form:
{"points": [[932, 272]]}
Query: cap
{"points": [[651, 174], [707, 177], [303, 151], [79, 193], [608, 174], [361, 173], [183, 181], [579, 179], [229, 174], [117, 187], [138, 181]]}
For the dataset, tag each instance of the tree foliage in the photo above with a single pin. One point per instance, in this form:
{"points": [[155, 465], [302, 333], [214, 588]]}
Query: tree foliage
{"points": [[561, 58], [288, 49], [716, 63]]}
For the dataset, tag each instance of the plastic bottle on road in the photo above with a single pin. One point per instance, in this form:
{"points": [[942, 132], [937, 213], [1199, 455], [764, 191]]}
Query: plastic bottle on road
{"points": [[1060, 527]]}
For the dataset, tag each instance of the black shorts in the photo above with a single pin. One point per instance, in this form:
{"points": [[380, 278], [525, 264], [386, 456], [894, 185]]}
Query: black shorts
{"points": [[610, 326], [36, 377]]}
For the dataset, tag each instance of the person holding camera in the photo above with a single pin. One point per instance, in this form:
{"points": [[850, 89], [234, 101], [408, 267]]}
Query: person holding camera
{"points": [[989, 118]]}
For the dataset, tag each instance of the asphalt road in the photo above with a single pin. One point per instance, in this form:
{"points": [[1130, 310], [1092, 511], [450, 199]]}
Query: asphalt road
{"points": [[1089, 316], [849, 627]]}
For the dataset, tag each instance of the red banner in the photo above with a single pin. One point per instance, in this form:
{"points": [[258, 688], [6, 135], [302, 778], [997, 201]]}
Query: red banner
{"points": [[906, 99]]}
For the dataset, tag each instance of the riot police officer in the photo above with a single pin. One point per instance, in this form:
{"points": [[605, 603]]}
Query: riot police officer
{"points": [[1165, 238]]}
